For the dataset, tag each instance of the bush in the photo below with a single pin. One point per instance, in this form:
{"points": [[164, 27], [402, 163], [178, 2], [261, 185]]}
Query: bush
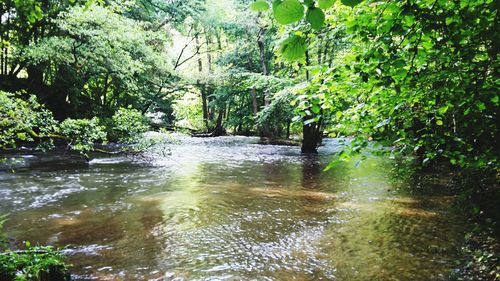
{"points": [[82, 133], [278, 115], [34, 264], [29, 121], [128, 125], [22, 120]]}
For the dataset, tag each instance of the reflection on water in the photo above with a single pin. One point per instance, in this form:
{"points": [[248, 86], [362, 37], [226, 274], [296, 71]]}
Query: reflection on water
{"points": [[230, 209]]}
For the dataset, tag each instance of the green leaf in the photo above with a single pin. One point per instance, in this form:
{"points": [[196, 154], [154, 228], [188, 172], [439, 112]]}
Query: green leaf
{"points": [[315, 17], [316, 109], [276, 3], [439, 122], [481, 106], [293, 48], [495, 100], [442, 110], [289, 11], [325, 4], [351, 3], [259, 6]]}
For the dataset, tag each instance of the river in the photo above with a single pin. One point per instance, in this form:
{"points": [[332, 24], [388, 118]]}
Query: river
{"points": [[228, 208]]}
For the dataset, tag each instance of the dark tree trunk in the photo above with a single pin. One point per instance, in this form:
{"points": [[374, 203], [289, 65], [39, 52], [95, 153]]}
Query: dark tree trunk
{"points": [[310, 138], [219, 129], [204, 105]]}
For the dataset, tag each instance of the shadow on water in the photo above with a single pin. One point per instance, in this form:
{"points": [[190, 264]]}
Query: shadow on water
{"points": [[230, 209]]}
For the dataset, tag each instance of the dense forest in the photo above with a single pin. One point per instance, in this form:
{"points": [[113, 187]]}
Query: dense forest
{"points": [[416, 78], [416, 75]]}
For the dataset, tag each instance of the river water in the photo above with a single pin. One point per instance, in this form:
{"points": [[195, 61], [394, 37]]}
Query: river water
{"points": [[230, 209]]}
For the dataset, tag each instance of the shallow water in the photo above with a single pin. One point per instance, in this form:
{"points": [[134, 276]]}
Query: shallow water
{"points": [[230, 209]]}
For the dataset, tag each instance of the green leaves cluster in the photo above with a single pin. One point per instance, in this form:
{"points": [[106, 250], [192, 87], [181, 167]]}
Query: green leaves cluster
{"points": [[291, 11], [81, 134], [24, 120], [419, 76], [128, 125], [35, 263], [29, 121], [29, 9], [119, 55]]}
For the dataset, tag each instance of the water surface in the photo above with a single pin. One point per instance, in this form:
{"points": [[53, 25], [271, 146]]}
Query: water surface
{"points": [[230, 209]]}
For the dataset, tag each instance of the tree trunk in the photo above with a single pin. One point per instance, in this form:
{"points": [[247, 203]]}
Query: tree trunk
{"points": [[208, 88], [262, 57], [201, 86], [219, 129], [310, 138], [311, 133], [288, 124], [254, 101]]}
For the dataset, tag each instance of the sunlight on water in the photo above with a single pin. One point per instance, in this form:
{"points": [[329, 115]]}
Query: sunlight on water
{"points": [[231, 209]]}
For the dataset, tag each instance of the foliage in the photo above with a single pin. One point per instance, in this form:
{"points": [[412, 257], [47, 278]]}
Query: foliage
{"points": [[128, 125], [188, 112], [81, 134], [259, 6], [288, 11], [112, 60], [24, 120], [418, 75], [278, 115], [482, 262], [36, 263], [29, 121], [294, 47], [292, 11]]}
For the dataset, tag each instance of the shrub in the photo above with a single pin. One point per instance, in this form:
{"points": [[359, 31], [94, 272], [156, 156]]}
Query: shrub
{"points": [[128, 125], [82, 133], [22, 120], [34, 264], [29, 121]]}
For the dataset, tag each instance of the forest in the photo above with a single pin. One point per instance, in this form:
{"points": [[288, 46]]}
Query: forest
{"points": [[410, 84]]}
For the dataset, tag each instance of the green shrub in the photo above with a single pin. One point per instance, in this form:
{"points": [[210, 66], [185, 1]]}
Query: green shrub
{"points": [[128, 125], [82, 133], [34, 264], [24, 120], [29, 121]]}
